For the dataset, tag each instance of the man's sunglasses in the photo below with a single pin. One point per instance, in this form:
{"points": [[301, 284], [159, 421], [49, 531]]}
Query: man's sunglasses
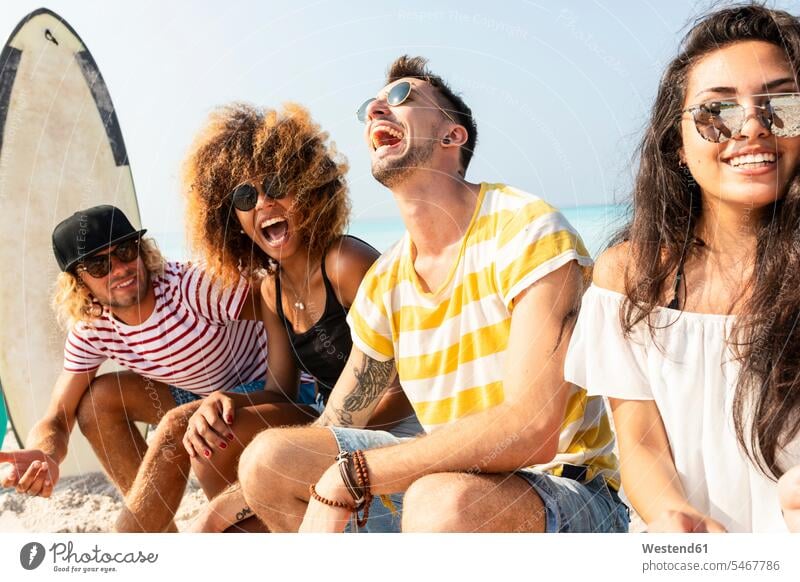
{"points": [[719, 121], [98, 266], [245, 196], [397, 95]]}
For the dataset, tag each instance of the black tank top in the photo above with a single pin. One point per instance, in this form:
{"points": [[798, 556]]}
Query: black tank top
{"points": [[322, 351]]}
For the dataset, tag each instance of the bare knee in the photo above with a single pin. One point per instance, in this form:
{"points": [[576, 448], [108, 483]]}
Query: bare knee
{"points": [[260, 464], [440, 503], [102, 401], [176, 420]]}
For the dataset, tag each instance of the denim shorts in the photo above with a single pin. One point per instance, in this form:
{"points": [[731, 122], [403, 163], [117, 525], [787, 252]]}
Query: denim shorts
{"points": [[575, 507], [182, 396], [570, 506], [382, 518]]}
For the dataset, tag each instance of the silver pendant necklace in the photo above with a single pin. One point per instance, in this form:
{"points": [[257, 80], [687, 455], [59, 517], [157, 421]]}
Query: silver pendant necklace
{"points": [[298, 304]]}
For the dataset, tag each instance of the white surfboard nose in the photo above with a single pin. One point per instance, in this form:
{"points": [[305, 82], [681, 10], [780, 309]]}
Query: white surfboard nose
{"points": [[61, 149]]}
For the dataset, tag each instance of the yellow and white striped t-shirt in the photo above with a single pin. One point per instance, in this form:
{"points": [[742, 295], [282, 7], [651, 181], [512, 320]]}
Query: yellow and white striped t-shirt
{"points": [[449, 345]]}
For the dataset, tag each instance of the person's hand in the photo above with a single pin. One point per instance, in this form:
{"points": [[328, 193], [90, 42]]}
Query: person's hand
{"points": [[209, 427], [31, 472], [789, 496], [323, 518], [684, 522]]}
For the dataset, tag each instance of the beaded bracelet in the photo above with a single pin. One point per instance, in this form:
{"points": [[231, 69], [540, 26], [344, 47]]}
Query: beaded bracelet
{"points": [[331, 502], [363, 481]]}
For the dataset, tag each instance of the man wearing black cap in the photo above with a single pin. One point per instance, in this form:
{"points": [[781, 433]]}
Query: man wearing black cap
{"points": [[180, 335]]}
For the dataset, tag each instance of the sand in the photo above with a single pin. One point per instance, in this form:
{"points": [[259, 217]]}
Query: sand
{"points": [[86, 503]]}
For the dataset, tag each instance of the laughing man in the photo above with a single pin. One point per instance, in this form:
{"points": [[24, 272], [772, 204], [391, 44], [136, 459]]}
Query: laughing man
{"points": [[183, 340], [473, 309]]}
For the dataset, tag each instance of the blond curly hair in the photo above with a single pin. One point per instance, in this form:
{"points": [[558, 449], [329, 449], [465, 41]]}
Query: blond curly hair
{"points": [[240, 141], [72, 300]]}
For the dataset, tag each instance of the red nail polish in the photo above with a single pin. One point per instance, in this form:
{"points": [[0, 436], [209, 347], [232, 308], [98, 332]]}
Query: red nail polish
{"points": [[223, 445], [229, 419], [230, 437], [207, 453]]}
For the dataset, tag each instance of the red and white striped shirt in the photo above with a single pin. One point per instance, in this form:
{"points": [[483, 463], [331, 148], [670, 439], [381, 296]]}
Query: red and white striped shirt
{"points": [[192, 339]]}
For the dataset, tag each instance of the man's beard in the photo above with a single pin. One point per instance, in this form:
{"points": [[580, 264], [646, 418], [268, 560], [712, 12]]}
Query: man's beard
{"points": [[395, 171], [142, 283]]}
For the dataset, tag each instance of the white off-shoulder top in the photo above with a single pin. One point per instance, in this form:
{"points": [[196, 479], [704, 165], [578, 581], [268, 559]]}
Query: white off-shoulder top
{"points": [[692, 378]]}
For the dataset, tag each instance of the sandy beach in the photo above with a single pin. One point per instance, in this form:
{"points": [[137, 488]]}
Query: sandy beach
{"points": [[86, 503]]}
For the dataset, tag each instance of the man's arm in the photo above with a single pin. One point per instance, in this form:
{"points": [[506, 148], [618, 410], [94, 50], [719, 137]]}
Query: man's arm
{"points": [[35, 469], [527, 424], [358, 391]]}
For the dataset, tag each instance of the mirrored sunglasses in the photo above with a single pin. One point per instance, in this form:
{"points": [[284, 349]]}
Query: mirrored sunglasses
{"points": [[719, 121], [397, 95]]}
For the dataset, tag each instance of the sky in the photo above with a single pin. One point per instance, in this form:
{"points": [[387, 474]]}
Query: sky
{"points": [[560, 91]]}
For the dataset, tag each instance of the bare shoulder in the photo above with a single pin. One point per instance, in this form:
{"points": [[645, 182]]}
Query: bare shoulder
{"points": [[349, 254], [346, 263], [610, 267]]}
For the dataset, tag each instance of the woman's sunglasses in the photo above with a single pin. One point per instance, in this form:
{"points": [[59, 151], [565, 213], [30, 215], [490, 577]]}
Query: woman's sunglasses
{"points": [[397, 95], [98, 266], [245, 196], [719, 121]]}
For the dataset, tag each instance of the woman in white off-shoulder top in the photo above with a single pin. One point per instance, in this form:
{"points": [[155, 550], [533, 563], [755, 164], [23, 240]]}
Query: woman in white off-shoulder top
{"points": [[689, 327]]}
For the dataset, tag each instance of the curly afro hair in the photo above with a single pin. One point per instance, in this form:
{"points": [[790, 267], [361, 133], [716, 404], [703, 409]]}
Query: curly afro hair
{"points": [[240, 141]]}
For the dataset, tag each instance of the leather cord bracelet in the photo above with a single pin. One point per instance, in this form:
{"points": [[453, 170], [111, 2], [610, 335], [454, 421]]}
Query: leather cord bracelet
{"points": [[354, 474], [345, 462]]}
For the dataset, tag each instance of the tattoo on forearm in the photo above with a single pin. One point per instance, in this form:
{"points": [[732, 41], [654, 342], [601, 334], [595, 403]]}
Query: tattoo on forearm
{"points": [[341, 417], [371, 380], [333, 416]]}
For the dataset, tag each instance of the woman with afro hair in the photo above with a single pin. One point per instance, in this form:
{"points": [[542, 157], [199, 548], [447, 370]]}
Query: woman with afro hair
{"points": [[267, 199]]}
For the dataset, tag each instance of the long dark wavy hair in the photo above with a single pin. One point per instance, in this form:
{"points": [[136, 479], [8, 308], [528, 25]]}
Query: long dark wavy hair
{"points": [[666, 205]]}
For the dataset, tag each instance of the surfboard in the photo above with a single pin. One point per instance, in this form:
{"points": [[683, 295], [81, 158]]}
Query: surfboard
{"points": [[61, 149], [3, 418]]}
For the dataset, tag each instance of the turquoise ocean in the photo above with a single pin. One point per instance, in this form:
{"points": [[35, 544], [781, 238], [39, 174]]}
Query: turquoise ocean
{"points": [[595, 224]]}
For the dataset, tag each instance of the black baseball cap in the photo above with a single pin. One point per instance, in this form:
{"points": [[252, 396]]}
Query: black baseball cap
{"points": [[88, 231]]}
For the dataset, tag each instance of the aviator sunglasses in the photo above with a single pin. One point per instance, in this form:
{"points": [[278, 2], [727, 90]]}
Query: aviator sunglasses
{"points": [[98, 266], [397, 95], [719, 121], [245, 196]]}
